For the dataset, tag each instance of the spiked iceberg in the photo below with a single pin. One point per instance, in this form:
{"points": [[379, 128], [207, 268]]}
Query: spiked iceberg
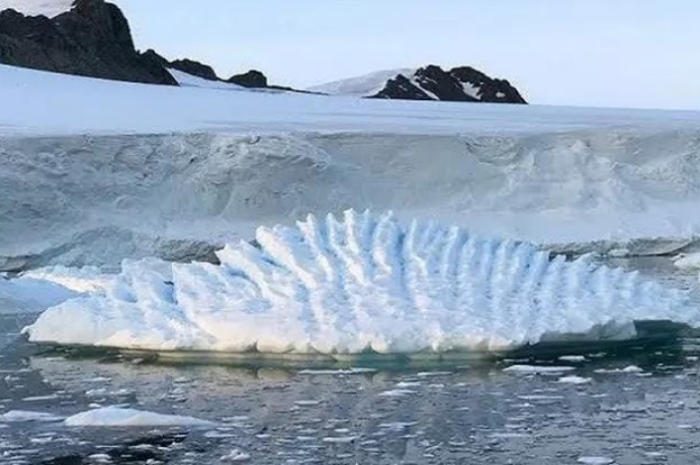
{"points": [[363, 284]]}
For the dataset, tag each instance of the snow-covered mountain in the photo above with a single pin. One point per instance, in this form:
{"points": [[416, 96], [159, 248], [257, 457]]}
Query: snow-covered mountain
{"points": [[49, 8], [93, 38], [361, 86], [461, 84]]}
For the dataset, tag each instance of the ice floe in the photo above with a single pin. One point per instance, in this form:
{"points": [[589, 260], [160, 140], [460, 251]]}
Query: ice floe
{"points": [[19, 416], [116, 416], [590, 460], [536, 369], [573, 379], [364, 284]]}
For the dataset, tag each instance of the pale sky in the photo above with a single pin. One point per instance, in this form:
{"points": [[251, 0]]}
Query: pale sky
{"points": [[629, 53]]}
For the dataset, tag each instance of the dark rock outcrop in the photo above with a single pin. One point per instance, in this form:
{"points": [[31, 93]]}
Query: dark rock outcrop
{"points": [[194, 68], [490, 89], [253, 79], [462, 84], [92, 39], [155, 57], [401, 88]]}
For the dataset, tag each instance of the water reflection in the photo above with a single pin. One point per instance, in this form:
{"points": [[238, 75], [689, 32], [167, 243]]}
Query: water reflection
{"points": [[473, 414]]}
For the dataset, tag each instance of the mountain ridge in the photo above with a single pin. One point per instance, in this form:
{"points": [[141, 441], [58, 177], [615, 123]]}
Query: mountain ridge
{"points": [[93, 38], [429, 83]]}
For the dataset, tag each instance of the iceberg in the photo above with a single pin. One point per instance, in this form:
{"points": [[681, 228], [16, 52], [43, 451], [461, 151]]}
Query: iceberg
{"points": [[363, 284], [123, 417]]}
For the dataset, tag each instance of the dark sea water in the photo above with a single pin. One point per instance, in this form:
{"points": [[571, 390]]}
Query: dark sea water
{"points": [[640, 405]]}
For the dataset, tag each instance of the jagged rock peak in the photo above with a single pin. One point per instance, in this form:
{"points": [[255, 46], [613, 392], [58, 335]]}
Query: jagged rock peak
{"points": [[460, 84], [107, 20]]}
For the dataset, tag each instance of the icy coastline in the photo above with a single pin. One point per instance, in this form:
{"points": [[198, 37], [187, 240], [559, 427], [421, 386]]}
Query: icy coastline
{"points": [[98, 200], [121, 170]]}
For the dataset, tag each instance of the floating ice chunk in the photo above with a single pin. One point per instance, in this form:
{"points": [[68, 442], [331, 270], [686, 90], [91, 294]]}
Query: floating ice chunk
{"points": [[115, 416], [634, 369], [595, 460], [16, 416], [339, 439], [572, 358], [236, 455], [573, 379], [690, 261], [359, 284], [396, 393], [536, 369], [340, 371]]}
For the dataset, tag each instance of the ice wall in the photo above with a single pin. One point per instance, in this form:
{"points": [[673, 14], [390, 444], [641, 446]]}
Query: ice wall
{"points": [[88, 200]]}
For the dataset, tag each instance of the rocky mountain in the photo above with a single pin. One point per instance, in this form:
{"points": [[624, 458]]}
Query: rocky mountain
{"points": [[191, 67], [252, 79], [92, 39], [195, 68], [49, 8], [462, 84]]}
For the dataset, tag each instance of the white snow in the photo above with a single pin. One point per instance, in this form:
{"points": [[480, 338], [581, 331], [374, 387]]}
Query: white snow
{"points": [[474, 91], [361, 86], [48, 8], [77, 280], [188, 80], [430, 94], [82, 105], [116, 417], [364, 283]]}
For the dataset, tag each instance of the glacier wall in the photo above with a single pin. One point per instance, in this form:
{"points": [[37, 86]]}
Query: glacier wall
{"points": [[363, 284], [94, 200]]}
